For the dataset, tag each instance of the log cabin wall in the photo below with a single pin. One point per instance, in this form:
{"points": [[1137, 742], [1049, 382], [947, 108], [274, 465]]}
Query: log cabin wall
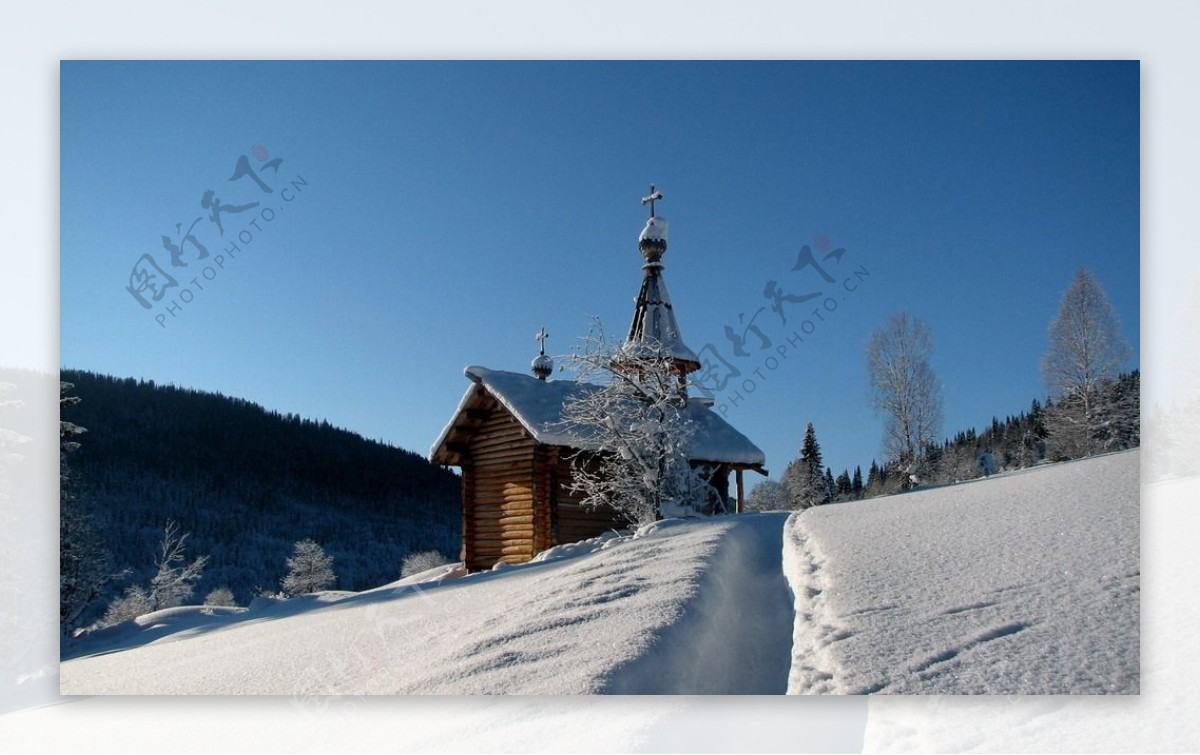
{"points": [[498, 493], [572, 520]]}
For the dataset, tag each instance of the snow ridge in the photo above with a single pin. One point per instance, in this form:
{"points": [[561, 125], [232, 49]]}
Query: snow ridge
{"points": [[815, 629]]}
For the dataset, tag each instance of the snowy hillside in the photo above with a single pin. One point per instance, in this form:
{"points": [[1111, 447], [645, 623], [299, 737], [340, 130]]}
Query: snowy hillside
{"points": [[1023, 583], [624, 617]]}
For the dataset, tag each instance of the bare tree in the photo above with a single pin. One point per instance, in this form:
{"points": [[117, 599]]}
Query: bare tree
{"points": [[309, 569], [173, 582], [1086, 350], [905, 390], [631, 421], [175, 579]]}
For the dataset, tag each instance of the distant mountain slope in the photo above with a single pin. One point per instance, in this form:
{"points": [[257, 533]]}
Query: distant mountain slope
{"points": [[248, 483]]}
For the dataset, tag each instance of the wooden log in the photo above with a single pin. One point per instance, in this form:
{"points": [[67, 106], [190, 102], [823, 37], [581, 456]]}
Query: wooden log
{"points": [[507, 482], [505, 520], [518, 556], [500, 485], [494, 525], [499, 445], [506, 472], [496, 487], [497, 467], [489, 436], [502, 455], [494, 512], [511, 528], [507, 546], [505, 536], [514, 499], [492, 518], [500, 499], [497, 496], [497, 505]]}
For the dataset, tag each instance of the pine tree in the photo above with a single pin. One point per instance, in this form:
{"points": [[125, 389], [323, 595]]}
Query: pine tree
{"points": [[856, 484], [828, 486], [805, 477], [844, 486]]}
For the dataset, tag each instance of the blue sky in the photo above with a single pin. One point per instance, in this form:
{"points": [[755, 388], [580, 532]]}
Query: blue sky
{"points": [[440, 213]]}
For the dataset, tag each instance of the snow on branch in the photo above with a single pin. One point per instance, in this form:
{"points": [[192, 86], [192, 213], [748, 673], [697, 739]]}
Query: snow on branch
{"points": [[637, 427]]}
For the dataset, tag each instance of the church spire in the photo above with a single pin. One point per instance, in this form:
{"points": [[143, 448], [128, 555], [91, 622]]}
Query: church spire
{"points": [[654, 331]]}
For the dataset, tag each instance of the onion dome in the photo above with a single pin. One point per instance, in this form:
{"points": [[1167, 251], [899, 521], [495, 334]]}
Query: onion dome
{"points": [[542, 366]]}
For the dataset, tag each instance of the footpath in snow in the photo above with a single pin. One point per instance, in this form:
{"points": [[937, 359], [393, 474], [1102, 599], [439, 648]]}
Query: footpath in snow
{"points": [[1024, 584], [682, 608]]}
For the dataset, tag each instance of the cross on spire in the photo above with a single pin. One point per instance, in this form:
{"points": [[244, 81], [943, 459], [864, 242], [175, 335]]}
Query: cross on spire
{"points": [[541, 337], [653, 197]]}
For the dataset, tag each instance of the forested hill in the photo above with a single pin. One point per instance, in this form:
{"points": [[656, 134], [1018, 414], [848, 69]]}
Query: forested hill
{"points": [[247, 484]]}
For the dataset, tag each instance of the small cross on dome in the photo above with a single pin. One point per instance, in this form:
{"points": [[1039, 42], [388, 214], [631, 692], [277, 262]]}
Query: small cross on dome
{"points": [[651, 198]]}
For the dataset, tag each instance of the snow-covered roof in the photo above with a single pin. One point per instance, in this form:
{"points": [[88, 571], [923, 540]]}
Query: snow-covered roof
{"points": [[538, 404]]}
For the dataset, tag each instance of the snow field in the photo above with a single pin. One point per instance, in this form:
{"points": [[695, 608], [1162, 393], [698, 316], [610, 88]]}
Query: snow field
{"points": [[1023, 584], [615, 615]]}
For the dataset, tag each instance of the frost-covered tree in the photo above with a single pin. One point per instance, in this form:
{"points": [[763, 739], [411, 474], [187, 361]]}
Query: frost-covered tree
{"points": [[1086, 351], [174, 579], [905, 390], [220, 596], [309, 569], [634, 430], [84, 563], [134, 602], [769, 495], [415, 563]]}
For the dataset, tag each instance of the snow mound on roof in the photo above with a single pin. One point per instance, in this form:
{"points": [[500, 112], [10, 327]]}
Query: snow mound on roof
{"points": [[656, 229]]}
